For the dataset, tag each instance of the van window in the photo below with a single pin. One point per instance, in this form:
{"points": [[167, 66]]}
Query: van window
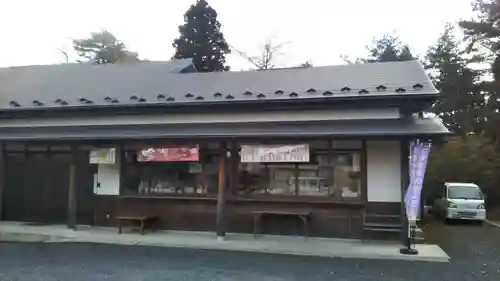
{"points": [[465, 192]]}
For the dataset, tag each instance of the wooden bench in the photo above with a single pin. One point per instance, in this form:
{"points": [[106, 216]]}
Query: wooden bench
{"points": [[143, 221], [381, 223], [304, 216]]}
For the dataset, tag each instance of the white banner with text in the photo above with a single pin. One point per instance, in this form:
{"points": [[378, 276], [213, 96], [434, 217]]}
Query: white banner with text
{"points": [[274, 153]]}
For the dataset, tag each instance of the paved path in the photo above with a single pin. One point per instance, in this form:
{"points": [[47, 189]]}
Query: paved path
{"points": [[474, 251]]}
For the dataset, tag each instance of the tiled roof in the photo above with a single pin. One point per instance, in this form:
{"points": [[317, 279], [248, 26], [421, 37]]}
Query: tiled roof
{"points": [[154, 83]]}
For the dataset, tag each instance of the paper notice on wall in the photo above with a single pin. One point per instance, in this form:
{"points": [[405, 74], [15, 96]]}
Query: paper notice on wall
{"points": [[102, 156], [195, 168], [275, 153]]}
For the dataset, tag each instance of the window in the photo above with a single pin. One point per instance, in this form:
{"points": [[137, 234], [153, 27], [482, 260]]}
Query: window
{"points": [[335, 174], [346, 175], [271, 178], [156, 178], [465, 192]]}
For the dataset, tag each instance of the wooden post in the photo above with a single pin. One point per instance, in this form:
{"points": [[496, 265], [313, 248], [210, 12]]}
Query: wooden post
{"points": [[233, 169], [405, 179], [72, 190], [221, 196], [2, 177], [46, 187], [296, 173], [122, 160]]}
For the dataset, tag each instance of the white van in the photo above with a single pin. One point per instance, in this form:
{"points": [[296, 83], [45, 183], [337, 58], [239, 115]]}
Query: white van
{"points": [[460, 201]]}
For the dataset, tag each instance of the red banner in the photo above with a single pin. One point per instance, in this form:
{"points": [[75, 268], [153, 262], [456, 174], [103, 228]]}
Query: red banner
{"points": [[171, 154]]}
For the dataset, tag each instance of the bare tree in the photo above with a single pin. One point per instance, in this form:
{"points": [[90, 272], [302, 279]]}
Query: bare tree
{"points": [[63, 52], [267, 59]]}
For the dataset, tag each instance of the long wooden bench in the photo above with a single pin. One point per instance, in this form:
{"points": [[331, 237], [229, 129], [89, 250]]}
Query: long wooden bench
{"points": [[142, 221], [304, 216], [381, 223]]}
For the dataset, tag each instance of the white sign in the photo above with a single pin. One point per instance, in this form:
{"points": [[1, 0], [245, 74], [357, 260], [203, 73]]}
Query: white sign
{"points": [[274, 153], [102, 156]]}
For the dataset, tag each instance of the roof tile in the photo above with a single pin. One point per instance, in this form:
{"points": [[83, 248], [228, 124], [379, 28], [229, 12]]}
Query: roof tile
{"points": [[145, 80]]}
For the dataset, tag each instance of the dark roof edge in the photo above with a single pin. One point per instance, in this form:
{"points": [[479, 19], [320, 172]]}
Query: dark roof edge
{"points": [[425, 97], [414, 127]]}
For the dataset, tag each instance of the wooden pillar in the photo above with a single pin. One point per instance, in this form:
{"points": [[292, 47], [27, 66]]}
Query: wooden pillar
{"points": [[296, 182], [405, 180], [46, 187], [364, 170], [72, 189], [221, 196], [121, 159], [233, 169], [2, 177]]}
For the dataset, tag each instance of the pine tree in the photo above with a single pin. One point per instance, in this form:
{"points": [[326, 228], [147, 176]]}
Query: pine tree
{"points": [[485, 28], [103, 47], [388, 48], [201, 39], [462, 103], [484, 31]]}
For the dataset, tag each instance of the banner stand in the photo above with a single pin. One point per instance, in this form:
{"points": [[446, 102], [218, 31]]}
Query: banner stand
{"points": [[419, 154], [408, 250]]}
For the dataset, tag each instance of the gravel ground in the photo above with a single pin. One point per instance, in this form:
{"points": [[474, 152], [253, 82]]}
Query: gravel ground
{"points": [[474, 250]]}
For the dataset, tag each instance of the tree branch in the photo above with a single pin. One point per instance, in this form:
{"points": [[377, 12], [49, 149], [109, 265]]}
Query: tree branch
{"points": [[266, 60]]}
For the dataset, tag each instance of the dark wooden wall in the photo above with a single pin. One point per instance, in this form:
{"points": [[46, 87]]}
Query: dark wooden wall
{"points": [[384, 208], [328, 219], [178, 214], [36, 187]]}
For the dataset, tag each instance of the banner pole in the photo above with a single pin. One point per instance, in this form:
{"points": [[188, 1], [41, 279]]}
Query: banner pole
{"points": [[409, 250], [416, 150]]}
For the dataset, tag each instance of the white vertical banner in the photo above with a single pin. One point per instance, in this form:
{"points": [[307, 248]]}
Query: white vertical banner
{"points": [[419, 154]]}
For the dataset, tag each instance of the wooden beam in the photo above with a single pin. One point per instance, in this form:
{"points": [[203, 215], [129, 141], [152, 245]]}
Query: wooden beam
{"points": [[2, 177], [221, 196], [72, 190]]}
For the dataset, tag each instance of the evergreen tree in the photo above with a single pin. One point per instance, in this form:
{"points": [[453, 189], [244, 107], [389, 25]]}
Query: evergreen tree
{"points": [[462, 103], [103, 47], [201, 39], [484, 31], [471, 159], [485, 28], [388, 48]]}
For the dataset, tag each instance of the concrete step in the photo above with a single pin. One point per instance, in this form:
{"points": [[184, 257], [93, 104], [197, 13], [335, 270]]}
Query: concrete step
{"points": [[28, 237]]}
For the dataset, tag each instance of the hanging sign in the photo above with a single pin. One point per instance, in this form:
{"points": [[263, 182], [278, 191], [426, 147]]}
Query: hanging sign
{"points": [[102, 156], [171, 154], [275, 153]]}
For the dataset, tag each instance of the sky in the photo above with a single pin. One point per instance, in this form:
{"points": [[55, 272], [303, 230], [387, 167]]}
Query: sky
{"points": [[319, 31]]}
